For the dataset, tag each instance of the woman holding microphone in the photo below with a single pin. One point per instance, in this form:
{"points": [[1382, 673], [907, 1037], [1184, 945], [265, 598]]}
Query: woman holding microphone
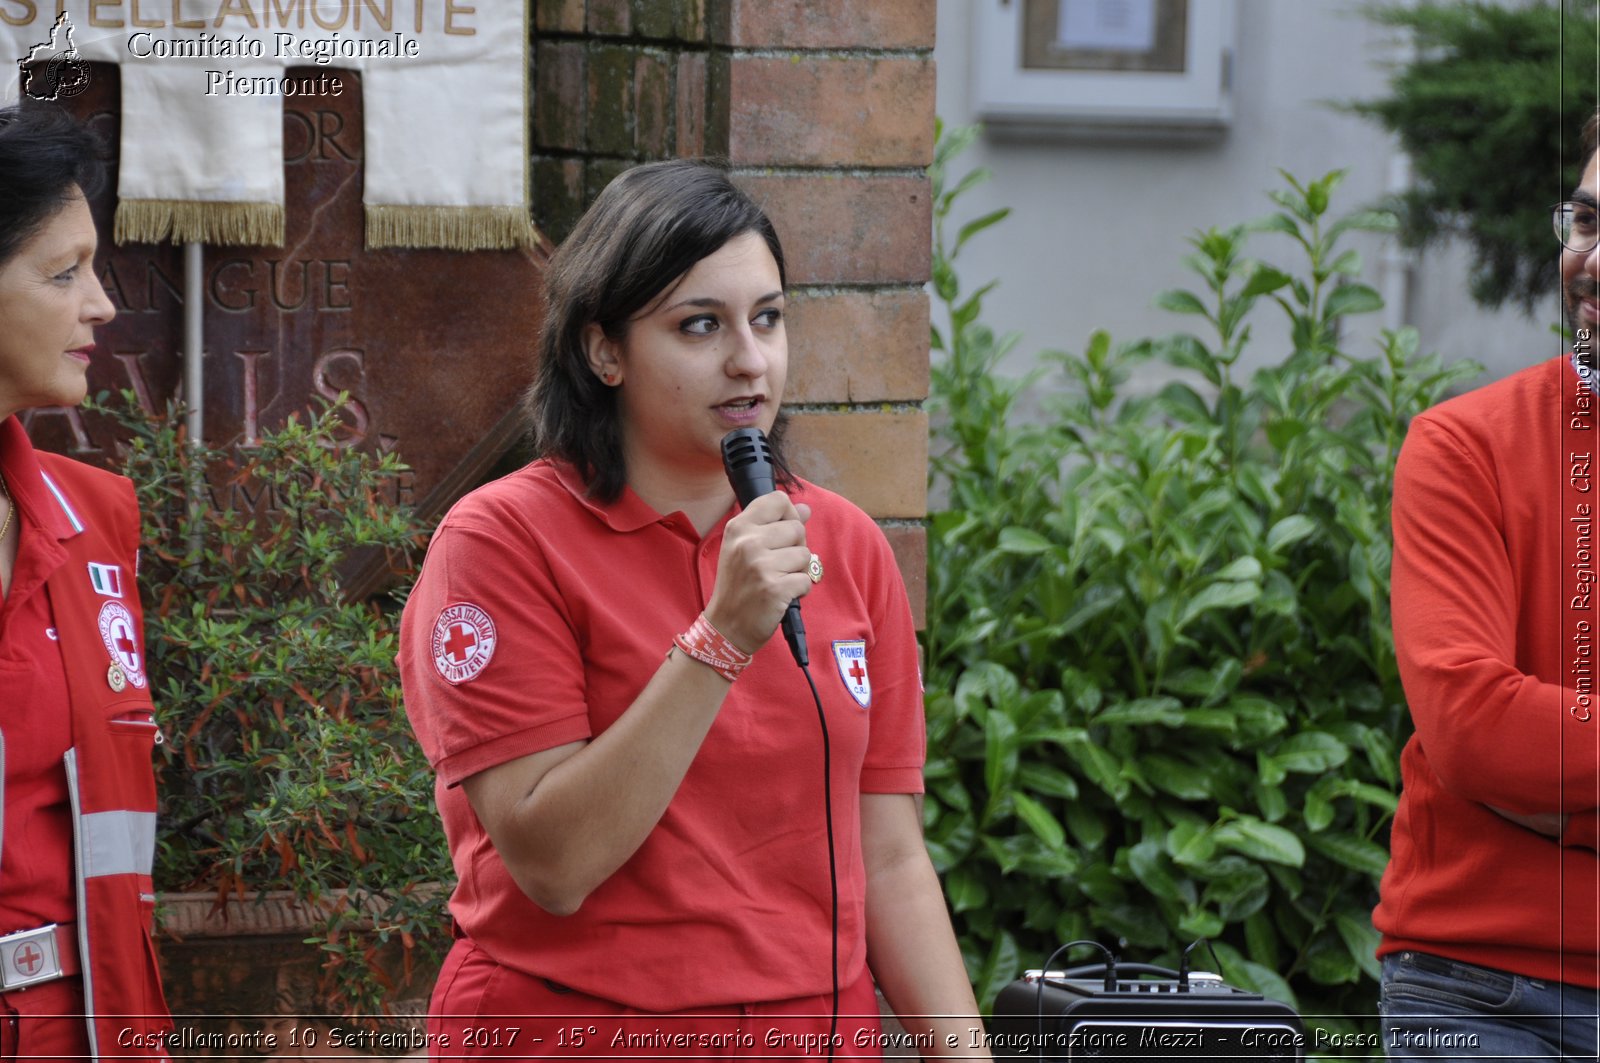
{"points": [[630, 767]]}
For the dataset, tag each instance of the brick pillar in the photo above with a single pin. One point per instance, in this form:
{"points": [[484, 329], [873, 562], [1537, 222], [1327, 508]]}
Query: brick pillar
{"points": [[824, 109]]}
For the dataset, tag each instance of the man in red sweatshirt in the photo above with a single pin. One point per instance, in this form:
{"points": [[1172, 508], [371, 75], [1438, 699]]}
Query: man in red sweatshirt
{"points": [[1490, 907]]}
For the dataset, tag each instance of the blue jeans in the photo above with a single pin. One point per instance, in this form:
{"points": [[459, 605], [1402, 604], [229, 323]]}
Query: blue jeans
{"points": [[1434, 1008]]}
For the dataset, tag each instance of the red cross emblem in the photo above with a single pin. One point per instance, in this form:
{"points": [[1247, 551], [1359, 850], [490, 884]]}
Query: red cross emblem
{"points": [[122, 638], [463, 642], [28, 958], [117, 629], [459, 644]]}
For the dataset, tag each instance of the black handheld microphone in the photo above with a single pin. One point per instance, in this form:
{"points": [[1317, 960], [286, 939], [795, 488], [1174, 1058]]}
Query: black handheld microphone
{"points": [[747, 459]]}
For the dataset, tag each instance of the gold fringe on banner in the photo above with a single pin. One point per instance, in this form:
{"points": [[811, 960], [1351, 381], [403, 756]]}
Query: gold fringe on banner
{"points": [[452, 228], [150, 221]]}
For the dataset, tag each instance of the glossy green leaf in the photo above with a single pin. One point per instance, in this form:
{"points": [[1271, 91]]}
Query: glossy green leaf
{"points": [[1150, 866], [1369, 794], [1264, 281], [1356, 853], [1225, 595], [964, 889], [1190, 843], [1088, 827], [1261, 938], [1329, 962], [1000, 754], [1352, 299], [980, 223], [1247, 974], [1270, 801], [1244, 568], [1318, 812], [1239, 893], [1262, 841], [1180, 302], [1362, 941], [1177, 777], [1167, 712], [999, 967], [1024, 541], [1039, 820], [1102, 768], [1200, 923], [1046, 779], [1312, 751], [1290, 530]]}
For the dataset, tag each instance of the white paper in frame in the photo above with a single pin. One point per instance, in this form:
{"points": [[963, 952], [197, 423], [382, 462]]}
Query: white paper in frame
{"points": [[1103, 68]]}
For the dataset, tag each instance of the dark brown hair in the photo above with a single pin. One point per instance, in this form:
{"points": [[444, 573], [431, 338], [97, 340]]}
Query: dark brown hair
{"points": [[46, 159], [1591, 137], [648, 228]]}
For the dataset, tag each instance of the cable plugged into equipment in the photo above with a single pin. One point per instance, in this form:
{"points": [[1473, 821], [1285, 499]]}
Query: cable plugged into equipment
{"points": [[1110, 982], [1183, 961]]}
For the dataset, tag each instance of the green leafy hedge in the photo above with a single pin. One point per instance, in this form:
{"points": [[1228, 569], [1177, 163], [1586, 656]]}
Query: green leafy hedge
{"points": [[287, 763], [1161, 689]]}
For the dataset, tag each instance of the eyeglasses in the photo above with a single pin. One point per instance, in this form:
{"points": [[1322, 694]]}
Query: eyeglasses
{"points": [[1577, 226]]}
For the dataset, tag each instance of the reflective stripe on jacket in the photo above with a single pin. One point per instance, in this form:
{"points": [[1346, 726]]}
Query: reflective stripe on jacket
{"points": [[109, 774]]}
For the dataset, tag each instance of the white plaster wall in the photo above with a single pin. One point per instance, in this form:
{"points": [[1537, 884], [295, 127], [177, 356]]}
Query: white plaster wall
{"points": [[1098, 229]]}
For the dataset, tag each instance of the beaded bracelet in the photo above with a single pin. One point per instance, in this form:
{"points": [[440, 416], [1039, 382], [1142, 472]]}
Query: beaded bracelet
{"points": [[707, 645]]}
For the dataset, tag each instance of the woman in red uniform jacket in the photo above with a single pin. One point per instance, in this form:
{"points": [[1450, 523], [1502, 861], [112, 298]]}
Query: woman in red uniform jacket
{"points": [[630, 766], [77, 800]]}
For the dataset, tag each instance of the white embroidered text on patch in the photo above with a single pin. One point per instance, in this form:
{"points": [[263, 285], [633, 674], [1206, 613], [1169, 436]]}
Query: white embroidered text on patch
{"points": [[463, 642], [851, 657]]}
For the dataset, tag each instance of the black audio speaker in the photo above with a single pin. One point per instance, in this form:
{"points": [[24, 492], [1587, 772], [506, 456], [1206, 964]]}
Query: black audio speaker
{"points": [[1076, 1014]]}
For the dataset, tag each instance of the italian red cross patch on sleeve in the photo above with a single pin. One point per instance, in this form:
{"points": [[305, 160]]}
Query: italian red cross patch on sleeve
{"points": [[851, 657], [463, 642], [117, 631]]}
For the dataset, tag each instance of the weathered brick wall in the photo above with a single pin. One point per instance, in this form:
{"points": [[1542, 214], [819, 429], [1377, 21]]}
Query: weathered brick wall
{"points": [[824, 109]]}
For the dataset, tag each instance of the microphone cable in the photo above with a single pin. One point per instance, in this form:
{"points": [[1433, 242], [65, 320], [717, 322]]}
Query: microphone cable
{"points": [[749, 464], [833, 865]]}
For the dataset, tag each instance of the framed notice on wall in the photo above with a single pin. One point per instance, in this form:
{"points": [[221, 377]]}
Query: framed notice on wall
{"points": [[1125, 68]]}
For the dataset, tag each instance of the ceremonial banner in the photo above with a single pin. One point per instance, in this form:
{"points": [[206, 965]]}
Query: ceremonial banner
{"points": [[204, 84], [431, 347]]}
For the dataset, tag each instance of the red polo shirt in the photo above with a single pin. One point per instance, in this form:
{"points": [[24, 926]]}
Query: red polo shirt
{"points": [[540, 615], [36, 844]]}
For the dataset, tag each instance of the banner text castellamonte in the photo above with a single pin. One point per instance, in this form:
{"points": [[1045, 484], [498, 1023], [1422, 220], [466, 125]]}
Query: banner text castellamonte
{"points": [[331, 16]]}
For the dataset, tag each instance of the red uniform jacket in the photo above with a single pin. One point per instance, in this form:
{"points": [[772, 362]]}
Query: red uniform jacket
{"points": [[109, 776]]}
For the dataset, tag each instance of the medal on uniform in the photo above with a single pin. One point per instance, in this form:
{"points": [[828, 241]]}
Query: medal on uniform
{"points": [[116, 679], [814, 569]]}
